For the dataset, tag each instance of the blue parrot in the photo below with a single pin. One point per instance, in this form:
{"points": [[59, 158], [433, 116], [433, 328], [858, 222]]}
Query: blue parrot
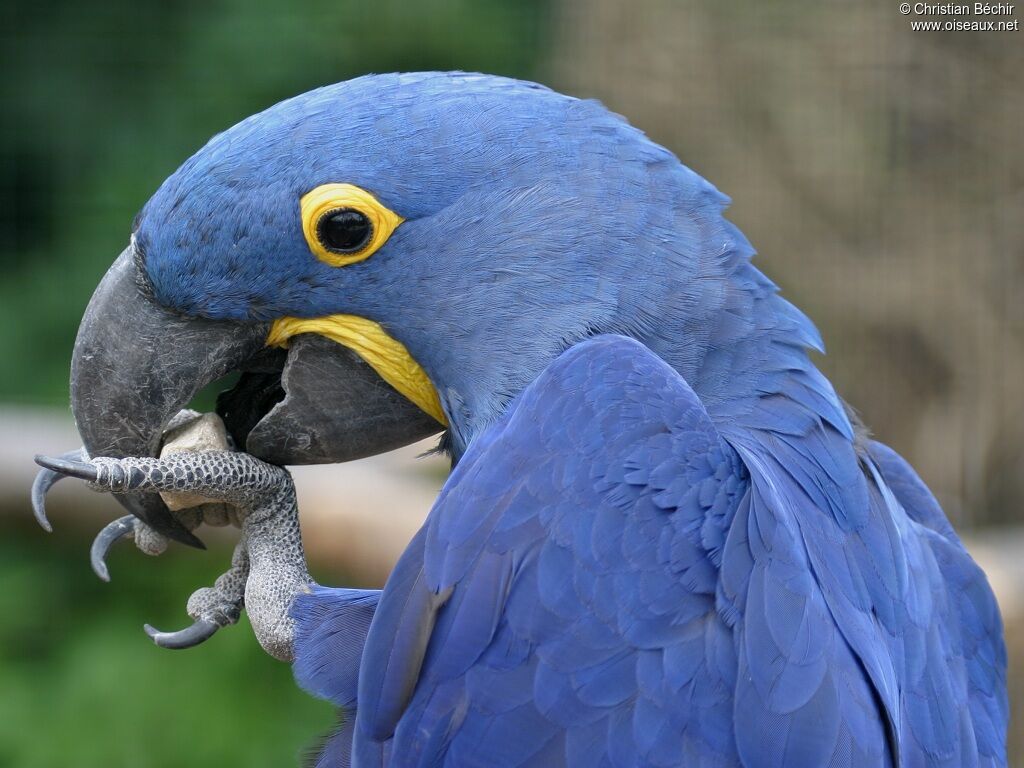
{"points": [[665, 541]]}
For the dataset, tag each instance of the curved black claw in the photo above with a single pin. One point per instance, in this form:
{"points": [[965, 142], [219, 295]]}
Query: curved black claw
{"points": [[69, 467], [110, 533], [46, 478], [200, 631]]}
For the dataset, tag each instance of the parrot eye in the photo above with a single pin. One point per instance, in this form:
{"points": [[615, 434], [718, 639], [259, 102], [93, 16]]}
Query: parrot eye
{"points": [[344, 224], [344, 230]]}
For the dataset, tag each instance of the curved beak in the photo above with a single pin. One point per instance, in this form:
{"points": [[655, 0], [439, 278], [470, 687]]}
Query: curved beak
{"points": [[135, 365]]}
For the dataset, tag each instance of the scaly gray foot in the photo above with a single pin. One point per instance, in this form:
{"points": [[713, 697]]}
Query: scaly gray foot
{"points": [[147, 539], [269, 566], [211, 607]]}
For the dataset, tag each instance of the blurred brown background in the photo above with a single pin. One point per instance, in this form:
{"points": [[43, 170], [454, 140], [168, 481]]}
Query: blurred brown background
{"points": [[879, 172]]}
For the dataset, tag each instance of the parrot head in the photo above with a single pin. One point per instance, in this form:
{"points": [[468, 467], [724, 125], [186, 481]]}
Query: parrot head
{"points": [[390, 257]]}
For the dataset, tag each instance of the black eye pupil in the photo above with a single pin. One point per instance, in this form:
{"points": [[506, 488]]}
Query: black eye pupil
{"points": [[344, 230]]}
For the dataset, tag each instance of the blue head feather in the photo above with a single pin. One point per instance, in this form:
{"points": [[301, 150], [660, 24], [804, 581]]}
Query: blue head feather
{"points": [[533, 220]]}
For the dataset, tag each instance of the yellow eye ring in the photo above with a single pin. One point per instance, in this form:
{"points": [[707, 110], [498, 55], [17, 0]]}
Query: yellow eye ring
{"points": [[357, 205]]}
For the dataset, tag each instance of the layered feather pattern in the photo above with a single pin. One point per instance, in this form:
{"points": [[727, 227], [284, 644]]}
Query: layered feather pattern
{"points": [[606, 580]]}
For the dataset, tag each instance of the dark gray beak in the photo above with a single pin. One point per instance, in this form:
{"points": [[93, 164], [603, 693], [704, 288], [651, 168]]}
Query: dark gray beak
{"points": [[135, 365]]}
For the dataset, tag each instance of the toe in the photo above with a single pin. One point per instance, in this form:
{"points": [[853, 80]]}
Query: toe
{"points": [[191, 636], [149, 540], [123, 526]]}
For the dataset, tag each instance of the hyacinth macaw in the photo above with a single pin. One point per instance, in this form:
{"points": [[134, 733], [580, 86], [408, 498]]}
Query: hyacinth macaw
{"points": [[665, 540]]}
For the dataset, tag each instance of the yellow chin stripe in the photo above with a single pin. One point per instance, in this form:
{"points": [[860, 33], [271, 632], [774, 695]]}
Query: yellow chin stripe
{"points": [[388, 357]]}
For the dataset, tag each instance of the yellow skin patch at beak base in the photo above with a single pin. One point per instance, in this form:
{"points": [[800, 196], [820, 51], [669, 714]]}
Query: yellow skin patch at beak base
{"points": [[387, 356]]}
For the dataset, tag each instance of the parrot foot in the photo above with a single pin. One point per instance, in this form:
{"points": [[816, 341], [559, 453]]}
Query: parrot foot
{"points": [[210, 607], [123, 527], [73, 464], [268, 568], [147, 539], [44, 481]]}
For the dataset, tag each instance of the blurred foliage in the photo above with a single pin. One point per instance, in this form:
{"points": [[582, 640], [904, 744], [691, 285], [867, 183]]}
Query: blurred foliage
{"points": [[103, 100], [82, 685]]}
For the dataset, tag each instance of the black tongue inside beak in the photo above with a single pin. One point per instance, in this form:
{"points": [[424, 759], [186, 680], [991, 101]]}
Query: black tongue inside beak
{"points": [[326, 405], [135, 365]]}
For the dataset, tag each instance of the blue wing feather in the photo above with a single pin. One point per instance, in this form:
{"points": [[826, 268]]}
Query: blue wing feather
{"points": [[609, 579], [331, 630], [570, 583]]}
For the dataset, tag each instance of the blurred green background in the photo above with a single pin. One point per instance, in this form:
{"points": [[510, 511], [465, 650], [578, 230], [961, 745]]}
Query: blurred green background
{"points": [[879, 172], [101, 102]]}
